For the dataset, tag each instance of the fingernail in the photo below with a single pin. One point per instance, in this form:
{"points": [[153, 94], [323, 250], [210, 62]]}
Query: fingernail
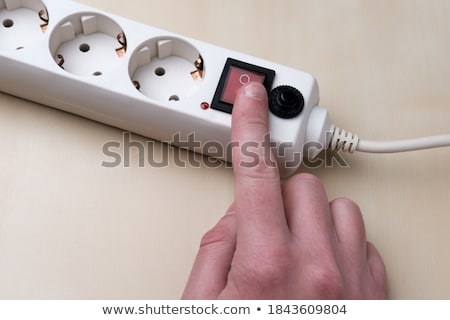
{"points": [[255, 90]]}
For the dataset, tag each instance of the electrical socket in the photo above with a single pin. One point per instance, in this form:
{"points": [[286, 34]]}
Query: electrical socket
{"points": [[87, 44], [167, 69], [22, 23], [142, 79]]}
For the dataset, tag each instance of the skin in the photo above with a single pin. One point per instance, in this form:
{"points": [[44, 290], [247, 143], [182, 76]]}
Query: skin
{"points": [[282, 240]]}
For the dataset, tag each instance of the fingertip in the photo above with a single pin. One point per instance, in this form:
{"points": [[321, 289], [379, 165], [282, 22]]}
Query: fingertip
{"points": [[349, 222], [302, 178], [307, 210], [250, 113], [254, 90], [307, 183]]}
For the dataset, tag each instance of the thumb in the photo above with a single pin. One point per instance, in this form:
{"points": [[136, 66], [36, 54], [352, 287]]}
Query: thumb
{"points": [[209, 274]]}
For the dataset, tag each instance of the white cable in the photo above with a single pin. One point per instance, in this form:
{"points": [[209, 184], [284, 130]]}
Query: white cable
{"points": [[404, 145], [347, 141]]}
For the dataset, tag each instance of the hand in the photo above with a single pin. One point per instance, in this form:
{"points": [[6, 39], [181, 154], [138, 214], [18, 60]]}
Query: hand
{"points": [[282, 241]]}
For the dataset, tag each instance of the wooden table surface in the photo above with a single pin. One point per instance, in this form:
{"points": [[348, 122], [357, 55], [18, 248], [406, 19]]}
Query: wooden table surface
{"points": [[72, 229]]}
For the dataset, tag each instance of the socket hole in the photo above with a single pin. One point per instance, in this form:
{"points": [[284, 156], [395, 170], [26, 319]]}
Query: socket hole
{"points": [[97, 73], [84, 47], [160, 72], [174, 98], [8, 23]]}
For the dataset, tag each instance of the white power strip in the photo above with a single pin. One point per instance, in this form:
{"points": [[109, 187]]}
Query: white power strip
{"points": [[162, 85], [145, 80]]}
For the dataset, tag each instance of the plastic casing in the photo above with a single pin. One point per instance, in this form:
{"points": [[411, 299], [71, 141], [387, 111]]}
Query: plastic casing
{"points": [[33, 73]]}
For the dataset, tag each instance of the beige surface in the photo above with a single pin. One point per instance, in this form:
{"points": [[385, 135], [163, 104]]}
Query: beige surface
{"points": [[72, 229]]}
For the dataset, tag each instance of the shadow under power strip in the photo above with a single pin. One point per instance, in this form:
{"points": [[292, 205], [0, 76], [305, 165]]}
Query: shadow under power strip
{"points": [[152, 82]]}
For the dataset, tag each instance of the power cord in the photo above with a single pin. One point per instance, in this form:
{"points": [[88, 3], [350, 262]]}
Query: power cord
{"points": [[349, 142], [321, 129]]}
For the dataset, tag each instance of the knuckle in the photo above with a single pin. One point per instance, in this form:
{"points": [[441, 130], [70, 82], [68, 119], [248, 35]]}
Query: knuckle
{"points": [[271, 267], [257, 164], [327, 283], [221, 233]]}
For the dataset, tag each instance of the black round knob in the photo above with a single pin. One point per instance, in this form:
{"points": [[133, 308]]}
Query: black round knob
{"points": [[286, 102]]}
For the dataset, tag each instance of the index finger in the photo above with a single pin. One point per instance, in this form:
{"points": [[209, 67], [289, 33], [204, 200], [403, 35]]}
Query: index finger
{"points": [[258, 197]]}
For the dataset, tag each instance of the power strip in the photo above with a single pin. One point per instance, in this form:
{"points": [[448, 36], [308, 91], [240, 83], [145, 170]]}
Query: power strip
{"points": [[144, 80], [161, 85]]}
